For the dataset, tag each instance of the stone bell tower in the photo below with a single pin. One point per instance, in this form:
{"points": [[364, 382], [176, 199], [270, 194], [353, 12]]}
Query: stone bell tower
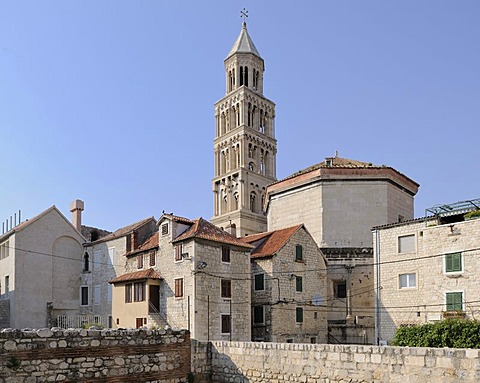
{"points": [[244, 147]]}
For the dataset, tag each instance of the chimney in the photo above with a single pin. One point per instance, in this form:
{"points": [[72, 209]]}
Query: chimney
{"points": [[232, 229], [76, 207]]}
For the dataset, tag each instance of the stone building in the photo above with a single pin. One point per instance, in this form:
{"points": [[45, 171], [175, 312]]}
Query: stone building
{"points": [[427, 269], [245, 147], [40, 264], [289, 287], [184, 276], [339, 200], [104, 259]]}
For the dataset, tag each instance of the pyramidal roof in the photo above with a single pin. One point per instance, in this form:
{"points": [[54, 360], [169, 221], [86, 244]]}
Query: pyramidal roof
{"points": [[244, 44]]}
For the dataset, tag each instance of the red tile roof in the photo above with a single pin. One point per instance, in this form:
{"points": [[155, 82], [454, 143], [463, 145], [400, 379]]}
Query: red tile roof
{"points": [[177, 218], [150, 244], [270, 243], [205, 230], [136, 276], [124, 230]]}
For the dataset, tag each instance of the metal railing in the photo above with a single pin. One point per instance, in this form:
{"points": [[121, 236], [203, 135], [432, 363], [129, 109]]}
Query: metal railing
{"points": [[81, 321]]}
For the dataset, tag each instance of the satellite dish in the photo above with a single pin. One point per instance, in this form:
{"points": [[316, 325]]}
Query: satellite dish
{"points": [[317, 299]]}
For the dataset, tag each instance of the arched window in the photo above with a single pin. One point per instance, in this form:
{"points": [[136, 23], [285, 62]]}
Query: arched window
{"points": [[249, 114], [86, 262], [223, 123], [246, 75], [250, 150], [252, 202], [238, 114], [261, 126], [237, 156], [225, 203], [251, 166], [235, 199], [241, 75]]}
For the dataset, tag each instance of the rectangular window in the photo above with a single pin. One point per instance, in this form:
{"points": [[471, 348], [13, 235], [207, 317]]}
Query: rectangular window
{"points": [[226, 324], [298, 284], [178, 252], [406, 244], [258, 315], [152, 259], [454, 301], [407, 280], [109, 294], [128, 293], [259, 282], [139, 291], [84, 296], [298, 253], [313, 339], [299, 314], [226, 288], [226, 254], [7, 285], [140, 261], [178, 287], [289, 340], [4, 250], [165, 229], [453, 263], [111, 256], [340, 289], [96, 295]]}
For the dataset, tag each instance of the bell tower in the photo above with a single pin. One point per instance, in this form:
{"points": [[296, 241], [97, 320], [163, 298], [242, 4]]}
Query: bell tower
{"points": [[244, 147]]}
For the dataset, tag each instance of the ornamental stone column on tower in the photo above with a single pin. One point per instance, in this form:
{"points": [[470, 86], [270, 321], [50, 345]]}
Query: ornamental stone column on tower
{"points": [[244, 147]]}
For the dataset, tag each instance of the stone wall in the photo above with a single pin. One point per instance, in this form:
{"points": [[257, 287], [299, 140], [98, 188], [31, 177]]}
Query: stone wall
{"points": [[282, 362], [77, 355], [4, 313]]}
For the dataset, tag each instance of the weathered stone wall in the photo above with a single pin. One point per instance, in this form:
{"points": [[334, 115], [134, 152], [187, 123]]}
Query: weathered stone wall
{"points": [[76, 355], [282, 362], [4, 313]]}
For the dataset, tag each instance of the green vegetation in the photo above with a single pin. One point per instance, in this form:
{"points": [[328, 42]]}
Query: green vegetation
{"points": [[99, 326], [472, 214], [454, 333]]}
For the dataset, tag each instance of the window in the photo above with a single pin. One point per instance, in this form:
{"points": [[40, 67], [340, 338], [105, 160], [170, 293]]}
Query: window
{"points": [[7, 286], [406, 244], [84, 296], [226, 323], [140, 261], [111, 256], [298, 284], [299, 314], [252, 202], [128, 293], [313, 339], [454, 301], [258, 315], [289, 340], [407, 280], [165, 229], [4, 250], [86, 262], [139, 291], [96, 295], [453, 263], [226, 254], [299, 253], [179, 288], [340, 289], [152, 259], [178, 252], [259, 282], [226, 288]]}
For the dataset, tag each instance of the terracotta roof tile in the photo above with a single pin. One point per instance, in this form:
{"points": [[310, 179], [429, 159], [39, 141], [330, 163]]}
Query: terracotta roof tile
{"points": [[270, 243], [136, 276], [177, 218], [151, 243], [206, 230]]}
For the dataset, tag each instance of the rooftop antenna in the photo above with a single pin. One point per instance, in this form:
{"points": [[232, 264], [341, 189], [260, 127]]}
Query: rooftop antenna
{"points": [[244, 14]]}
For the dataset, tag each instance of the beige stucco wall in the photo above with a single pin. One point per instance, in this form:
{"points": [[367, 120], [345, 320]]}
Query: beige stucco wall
{"points": [[48, 254], [7, 268], [426, 301]]}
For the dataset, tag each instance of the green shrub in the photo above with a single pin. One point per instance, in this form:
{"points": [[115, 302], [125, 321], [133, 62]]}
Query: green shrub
{"points": [[455, 333], [472, 214]]}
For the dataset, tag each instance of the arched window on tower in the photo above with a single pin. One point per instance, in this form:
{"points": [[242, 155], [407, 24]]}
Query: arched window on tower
{"points": [[255, 79], [241, 76], [245, 73], [237, 156], [250, 151], [251, 166], [235, 200], [253, 202], [249, 114], [238, 114], [266, 123], [86, 262], [223, 123], [262, 162], [225, 203], [267, 165], [261, 126], [230, 81]]}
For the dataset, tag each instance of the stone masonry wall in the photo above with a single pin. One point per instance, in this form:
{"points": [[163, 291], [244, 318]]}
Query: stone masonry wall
{"points": [[314, 363], [4, 313], [88, 356]]}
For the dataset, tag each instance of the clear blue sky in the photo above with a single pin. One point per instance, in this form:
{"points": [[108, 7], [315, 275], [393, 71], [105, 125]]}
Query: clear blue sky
{"points": [[112, 101]]}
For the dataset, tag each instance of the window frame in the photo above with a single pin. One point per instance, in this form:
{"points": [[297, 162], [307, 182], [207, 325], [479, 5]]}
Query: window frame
{"points": [[82, 289], [299, 317], [226, 254], [165, 228], [179, 288], [152, 258], [336, 284], [226, 288], [262, 275], [139, 292], [407, 286], [128, 292], [178, 252], [399, 249], [224, 317], [445, 261], [255, 313], [298, 284], [299, 253], [462, 299], [140, 261]]}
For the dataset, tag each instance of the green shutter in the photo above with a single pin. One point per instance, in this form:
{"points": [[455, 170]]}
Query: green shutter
{"points": [[453, 262], [454, 301], [299, 314], [299, 251], [299, 284]]}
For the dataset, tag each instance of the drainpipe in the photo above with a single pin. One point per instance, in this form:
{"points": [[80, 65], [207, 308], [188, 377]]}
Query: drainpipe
{"points": [[377, 287]]}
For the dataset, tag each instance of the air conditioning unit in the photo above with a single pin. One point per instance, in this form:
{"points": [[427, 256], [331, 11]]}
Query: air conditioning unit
{"points": [[185, 256]]}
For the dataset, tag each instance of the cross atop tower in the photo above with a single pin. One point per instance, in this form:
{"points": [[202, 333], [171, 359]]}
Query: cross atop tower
{"points": [[244, 14]]}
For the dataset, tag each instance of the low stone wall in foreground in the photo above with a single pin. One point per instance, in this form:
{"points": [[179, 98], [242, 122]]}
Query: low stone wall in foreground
{"points": [[321, 363], [110, 356]]}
